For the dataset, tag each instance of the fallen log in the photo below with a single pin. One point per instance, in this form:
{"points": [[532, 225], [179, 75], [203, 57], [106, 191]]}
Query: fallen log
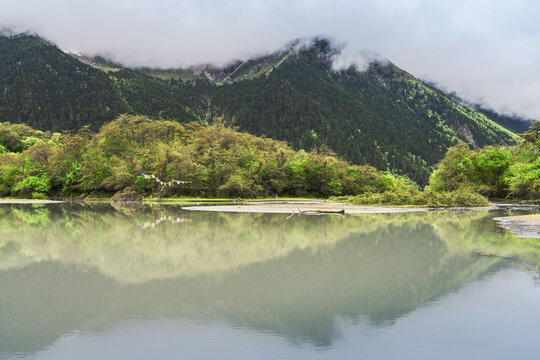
{"points": [[318, 211]]}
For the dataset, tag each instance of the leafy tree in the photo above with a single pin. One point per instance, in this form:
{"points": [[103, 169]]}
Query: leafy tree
{"points": [[212, 160]]}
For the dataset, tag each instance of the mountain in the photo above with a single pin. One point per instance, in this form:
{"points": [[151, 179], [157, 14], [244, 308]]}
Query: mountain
{"points": [[382, 116], [512, 122], [43, 87]]}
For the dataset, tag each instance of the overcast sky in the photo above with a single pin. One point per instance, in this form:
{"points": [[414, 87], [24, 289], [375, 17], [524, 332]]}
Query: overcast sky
{"points": [[487, 51]]}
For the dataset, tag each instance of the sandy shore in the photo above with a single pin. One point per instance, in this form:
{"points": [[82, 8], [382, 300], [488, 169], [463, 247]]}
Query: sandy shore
{"points": [[527, 226], [314, 206], [28, 201]]}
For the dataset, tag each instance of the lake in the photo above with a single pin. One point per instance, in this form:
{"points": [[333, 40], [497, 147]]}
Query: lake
{"points": [[103, 281]]}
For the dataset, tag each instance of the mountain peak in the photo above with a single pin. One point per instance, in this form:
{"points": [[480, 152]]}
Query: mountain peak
{"points": [[318, 50], [310, 93]]}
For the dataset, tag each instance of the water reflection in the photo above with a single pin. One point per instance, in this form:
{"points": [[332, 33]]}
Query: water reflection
{"points": [[65, 267], [152, 224]]}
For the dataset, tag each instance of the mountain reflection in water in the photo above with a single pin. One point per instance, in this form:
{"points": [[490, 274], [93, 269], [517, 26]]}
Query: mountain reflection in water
{"points": [[67, 267]]}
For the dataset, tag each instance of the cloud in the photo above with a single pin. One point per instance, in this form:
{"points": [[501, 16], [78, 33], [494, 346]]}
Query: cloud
{"points": [[483, 50], [359, 58]]}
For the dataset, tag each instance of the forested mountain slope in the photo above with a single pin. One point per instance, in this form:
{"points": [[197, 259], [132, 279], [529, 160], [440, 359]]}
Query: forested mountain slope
{"points": [[43, 87], [382, 116]]}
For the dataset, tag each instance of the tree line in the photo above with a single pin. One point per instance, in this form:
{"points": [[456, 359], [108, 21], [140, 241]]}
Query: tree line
{"points": [[494, 171], [213, 160]]}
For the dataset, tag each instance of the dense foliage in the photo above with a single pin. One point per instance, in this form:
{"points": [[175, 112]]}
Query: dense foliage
{"points": [[499, 172], [382, 116], [214, 160], [413, 196]]}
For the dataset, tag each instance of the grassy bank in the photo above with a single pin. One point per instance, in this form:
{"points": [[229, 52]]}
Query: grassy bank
{"points": [[413, 197]]}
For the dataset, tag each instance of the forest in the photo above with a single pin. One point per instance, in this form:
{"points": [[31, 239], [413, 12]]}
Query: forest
{"points": [[134, 157], [494, 171], [379, 116], [504, 172], [77, 127], [209, 161]]}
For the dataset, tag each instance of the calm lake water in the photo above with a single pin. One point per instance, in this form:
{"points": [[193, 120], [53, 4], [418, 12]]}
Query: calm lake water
{"points": [[155, 282]]}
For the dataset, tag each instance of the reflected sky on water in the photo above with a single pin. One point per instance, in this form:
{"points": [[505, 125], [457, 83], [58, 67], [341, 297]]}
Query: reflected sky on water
{"points": [[95, 282]]}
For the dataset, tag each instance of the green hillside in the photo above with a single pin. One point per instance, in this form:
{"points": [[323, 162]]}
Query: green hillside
{"points": [[43, 87], [382, 116], [513, 122]]}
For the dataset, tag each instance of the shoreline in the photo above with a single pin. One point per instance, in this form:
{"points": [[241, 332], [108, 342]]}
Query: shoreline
{"points": [[30, 201], [323, 208], [289, 206], [526, 226], [280, 206], [523, 226]]}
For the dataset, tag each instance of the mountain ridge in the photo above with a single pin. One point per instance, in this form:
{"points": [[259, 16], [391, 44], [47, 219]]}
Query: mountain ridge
{"points": [[251, 68], [382, 116]]}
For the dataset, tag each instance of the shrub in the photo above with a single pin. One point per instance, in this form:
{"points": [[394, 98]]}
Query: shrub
{"points": [[411, 196], [32, 184]]}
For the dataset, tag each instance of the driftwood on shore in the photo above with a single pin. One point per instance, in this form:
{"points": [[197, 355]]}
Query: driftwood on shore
{"points": [[321, 211], [317, 212]]}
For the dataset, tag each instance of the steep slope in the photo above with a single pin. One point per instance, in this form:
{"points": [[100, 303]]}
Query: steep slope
{"points": [[511, 122], [380, 116], [43, 87], [50, 90], [158, 98]]}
